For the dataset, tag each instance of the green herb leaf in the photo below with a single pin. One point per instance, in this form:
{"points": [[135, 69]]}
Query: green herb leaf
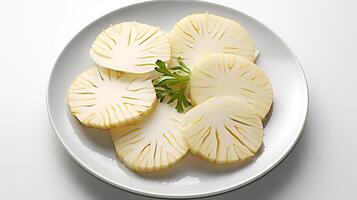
{"points": [[172, 84]]}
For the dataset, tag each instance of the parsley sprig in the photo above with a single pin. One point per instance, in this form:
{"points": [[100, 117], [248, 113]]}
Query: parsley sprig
{"points": [[172, 84]]}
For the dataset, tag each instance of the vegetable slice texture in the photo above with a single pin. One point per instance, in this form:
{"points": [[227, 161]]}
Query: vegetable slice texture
{"points": [[105, 98], [201, 34], [153, 144], [130, 47], [223, 130], [231, 75]]}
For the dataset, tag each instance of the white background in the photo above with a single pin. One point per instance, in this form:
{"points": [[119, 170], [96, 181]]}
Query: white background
{"points": [[323, 165]]}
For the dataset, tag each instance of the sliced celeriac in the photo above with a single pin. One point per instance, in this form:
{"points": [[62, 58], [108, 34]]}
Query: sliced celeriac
{"points": [[130, 47], [153, 144], [231, 75], [223, 130], [200, 34], [105, 98]]}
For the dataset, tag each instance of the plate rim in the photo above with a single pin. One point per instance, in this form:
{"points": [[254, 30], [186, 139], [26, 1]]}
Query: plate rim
{"points": [[133, 190]]}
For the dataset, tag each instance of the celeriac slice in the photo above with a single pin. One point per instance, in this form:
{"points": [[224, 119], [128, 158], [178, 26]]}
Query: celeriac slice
{"points": [[223, 130], [153, 144], [200, 34], [231, 75], [130, 47], [105, 98]]}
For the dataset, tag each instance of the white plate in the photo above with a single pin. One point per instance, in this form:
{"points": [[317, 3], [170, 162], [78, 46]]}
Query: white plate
{"points": [[192, 177]]}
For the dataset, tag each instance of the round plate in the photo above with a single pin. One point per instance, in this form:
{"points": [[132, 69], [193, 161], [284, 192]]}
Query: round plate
{"points": [[192, 177]]}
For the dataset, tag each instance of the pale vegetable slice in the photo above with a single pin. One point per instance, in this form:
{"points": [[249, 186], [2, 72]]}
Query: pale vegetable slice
{"points": [[200, 34], [104, 98], [153, 144], [130, 47], [231, 75], [223, 130]]}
